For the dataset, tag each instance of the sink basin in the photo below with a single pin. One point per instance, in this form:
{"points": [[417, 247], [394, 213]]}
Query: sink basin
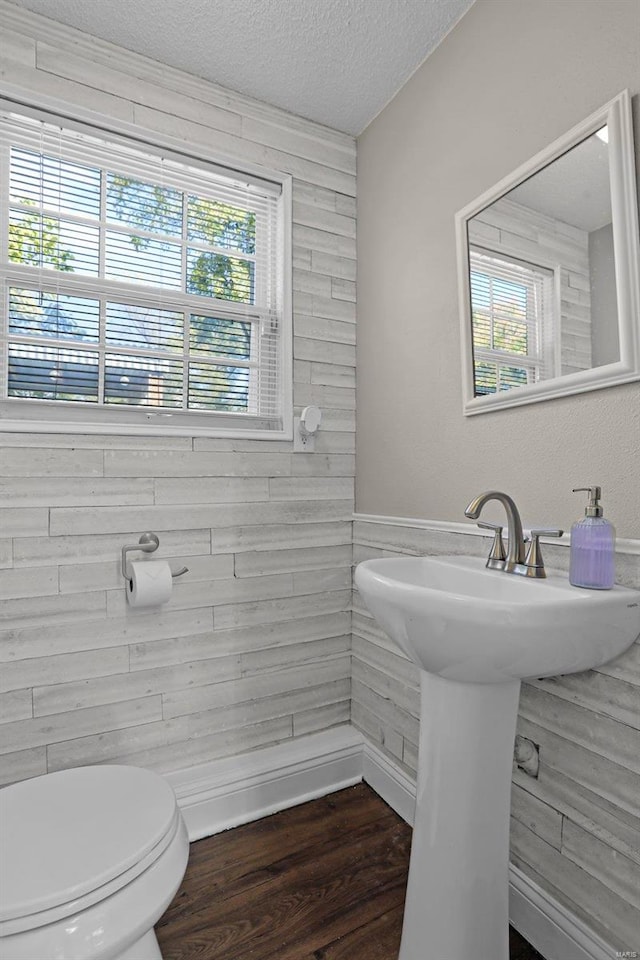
{"points": [[476, 634], [459, 620]]}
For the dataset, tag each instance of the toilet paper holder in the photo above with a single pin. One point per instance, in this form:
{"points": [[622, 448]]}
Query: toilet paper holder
{"points": [[148, 542]]}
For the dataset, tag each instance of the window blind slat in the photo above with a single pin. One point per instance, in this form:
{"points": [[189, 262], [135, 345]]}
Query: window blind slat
{"points": [[130, 156]]}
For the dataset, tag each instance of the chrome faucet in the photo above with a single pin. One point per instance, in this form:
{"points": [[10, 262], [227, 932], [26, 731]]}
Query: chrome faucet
{"points": [[514, 561]]}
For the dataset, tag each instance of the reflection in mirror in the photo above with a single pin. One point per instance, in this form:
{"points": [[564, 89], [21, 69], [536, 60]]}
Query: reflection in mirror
{"points": [[549, 276], [542, 279]]}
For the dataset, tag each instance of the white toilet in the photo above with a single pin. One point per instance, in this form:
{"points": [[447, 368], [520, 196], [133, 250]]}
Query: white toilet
{"points": [[90, 858]]}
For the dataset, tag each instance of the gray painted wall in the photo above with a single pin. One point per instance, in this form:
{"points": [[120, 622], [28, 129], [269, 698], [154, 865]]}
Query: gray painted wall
{"points": [[508, 80]]}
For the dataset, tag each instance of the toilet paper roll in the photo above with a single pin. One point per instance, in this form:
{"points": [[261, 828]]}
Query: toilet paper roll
{"points": [[150, 583]]}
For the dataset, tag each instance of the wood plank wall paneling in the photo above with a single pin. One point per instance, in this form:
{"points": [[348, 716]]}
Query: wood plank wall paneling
{"points": [[254, 646], [576, 829]]}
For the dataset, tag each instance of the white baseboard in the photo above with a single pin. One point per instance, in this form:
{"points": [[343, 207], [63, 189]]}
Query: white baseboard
{"points": [[235, 790], [555, 932], [389, 781], [225, 793]]}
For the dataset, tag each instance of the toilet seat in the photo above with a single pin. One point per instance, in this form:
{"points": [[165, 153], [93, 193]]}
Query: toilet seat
{"points": [[121, 819]]}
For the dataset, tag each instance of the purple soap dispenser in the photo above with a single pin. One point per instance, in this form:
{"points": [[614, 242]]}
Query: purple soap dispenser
{"points": [[593, 539]]}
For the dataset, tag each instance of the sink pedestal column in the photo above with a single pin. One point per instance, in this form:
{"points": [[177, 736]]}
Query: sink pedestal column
{"points": [[458, 892]]}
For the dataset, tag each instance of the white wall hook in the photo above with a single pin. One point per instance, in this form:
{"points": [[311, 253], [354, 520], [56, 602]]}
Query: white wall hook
{"points": [[310, 420], [305, 428]]}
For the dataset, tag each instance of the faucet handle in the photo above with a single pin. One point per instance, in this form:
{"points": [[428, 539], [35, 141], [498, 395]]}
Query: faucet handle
{"points": [[534, 562], [497, 554]]}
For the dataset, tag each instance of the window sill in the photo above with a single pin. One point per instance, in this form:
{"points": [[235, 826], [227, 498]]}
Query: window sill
{"points": [[137, 423]]}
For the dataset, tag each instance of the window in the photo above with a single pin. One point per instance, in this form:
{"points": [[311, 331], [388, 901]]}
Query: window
{"points": [[511, 315], [141, 288]]}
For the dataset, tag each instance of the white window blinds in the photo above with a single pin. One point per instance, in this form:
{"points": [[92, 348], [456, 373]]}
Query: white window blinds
{"points": [[511, 310], [138, 285]]}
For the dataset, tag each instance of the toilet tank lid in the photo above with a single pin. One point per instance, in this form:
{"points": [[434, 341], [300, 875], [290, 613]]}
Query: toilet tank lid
{"points": [[64, 834]]}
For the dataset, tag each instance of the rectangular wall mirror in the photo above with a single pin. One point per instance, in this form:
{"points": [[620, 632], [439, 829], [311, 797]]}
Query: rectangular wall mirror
{"points": [[549, 271]]}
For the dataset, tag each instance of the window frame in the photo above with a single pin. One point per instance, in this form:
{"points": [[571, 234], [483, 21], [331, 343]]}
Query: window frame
{"points": [[42, 416], [542, 364]]}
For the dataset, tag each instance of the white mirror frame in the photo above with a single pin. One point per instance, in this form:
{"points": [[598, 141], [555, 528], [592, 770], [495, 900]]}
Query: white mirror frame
{"points": [[617, 115]]}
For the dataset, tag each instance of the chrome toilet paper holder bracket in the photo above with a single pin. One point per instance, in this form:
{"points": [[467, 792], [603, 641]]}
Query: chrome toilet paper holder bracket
{"points": [[148, 543]]}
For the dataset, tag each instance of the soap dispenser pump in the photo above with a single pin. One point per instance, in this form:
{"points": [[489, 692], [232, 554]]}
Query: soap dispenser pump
{"points": [[592, 562]]}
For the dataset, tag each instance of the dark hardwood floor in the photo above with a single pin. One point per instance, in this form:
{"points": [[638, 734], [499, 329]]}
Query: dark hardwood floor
{"points": [[322, 881]]}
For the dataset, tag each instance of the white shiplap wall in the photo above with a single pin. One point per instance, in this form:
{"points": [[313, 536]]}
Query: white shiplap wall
{"points": [[254, 647], [576, 829]]}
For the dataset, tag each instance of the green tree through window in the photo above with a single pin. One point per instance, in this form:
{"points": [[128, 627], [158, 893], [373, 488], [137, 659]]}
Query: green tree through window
{"points": [[508, 312], [153, 235]]}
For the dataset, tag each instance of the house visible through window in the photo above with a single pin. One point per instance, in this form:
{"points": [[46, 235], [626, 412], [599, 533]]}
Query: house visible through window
{"points": [[511, 310], [138, 285]]}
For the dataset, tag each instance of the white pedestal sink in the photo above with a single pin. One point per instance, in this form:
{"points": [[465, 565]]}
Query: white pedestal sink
{"points": [[476, 633]]}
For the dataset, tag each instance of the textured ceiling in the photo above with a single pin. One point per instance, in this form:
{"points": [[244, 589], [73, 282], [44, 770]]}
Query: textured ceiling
{"points": [[337, 62]]}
